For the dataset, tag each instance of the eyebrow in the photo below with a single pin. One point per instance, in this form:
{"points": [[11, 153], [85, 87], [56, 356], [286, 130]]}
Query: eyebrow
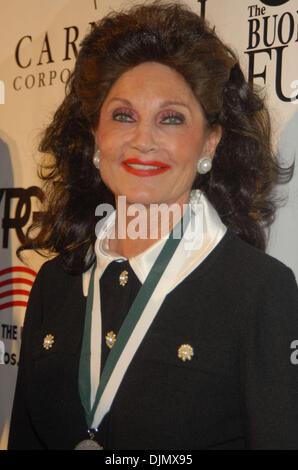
{"points": [[162, 105]]}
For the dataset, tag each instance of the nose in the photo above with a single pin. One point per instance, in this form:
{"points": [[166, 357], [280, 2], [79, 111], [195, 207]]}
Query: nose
{"points": [[144, 139]]}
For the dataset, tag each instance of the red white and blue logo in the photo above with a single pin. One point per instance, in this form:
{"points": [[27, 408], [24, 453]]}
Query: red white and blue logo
{"points": [[15, 286]]}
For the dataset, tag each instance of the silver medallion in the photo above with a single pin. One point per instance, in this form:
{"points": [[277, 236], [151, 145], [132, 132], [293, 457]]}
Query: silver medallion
{"points": [[88, 444]]}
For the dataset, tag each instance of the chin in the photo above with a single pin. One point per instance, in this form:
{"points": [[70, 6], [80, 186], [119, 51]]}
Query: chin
{"points": [[138, 196], [140, 199]]}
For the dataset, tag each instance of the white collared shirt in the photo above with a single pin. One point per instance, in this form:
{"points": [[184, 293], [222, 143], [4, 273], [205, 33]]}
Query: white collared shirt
{"points": [[212, 232]]}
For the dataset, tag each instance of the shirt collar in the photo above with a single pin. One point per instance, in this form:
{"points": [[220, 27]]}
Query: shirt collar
{"points": [[142, 263]]}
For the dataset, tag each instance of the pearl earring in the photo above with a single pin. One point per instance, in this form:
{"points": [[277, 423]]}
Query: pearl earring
{"points": [[204, 165], [96, 158]]}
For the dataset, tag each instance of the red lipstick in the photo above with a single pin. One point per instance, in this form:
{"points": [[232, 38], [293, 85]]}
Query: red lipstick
{"points": [[146, 171]]}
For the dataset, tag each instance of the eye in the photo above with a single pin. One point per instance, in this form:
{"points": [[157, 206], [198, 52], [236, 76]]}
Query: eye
{"points": [[172, 118], [122, 115]]}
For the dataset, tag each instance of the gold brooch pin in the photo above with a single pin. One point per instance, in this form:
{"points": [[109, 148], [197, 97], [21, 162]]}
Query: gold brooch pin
{"points": [[48, 341], [110, 339], [123, 278], [185, 352]]}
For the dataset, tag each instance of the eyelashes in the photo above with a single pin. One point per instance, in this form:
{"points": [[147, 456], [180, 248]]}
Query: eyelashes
{"points": [[123, 116], [164, 118], [172, 117]]}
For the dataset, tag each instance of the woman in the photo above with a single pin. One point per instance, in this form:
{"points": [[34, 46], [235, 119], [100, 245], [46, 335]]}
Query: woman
{"points": [[192, 336]]}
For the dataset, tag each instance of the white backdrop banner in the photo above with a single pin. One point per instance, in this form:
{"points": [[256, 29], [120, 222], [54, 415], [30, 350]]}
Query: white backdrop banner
{"points": [[39, 43]]}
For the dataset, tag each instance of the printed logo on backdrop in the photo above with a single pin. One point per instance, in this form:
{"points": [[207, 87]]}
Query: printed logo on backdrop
{"points": [[21, 199], [34, 71], [15, 281], [274, 3], [31, 73], [15, 286], [203, 8], [272, 37]]}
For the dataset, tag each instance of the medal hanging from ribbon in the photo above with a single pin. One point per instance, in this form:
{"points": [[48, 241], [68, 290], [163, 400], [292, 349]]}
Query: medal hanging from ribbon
{"points": [[102, 403]]}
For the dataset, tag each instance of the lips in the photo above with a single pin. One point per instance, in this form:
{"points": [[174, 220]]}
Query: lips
{"points": [[140, 168]]}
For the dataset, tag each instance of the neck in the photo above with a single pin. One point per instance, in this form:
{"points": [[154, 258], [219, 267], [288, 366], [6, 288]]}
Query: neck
{"points": [[137, 227]]}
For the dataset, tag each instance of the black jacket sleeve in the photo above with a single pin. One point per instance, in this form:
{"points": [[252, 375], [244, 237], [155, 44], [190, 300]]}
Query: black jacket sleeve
{"points": [[269, 371], [22, 434]]}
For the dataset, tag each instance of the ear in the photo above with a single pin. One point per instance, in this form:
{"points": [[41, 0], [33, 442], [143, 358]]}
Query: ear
{"points": [[212, 140]]}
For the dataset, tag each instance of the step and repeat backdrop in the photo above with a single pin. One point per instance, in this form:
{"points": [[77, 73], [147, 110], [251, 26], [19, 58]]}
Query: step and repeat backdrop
{"points": [[39, 44]]}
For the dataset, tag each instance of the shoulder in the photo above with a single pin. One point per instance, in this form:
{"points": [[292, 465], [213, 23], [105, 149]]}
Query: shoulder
{"points": [[265, 288], [52, 267], [55, 295], [244, 274], [248, 262], [53, 280]]}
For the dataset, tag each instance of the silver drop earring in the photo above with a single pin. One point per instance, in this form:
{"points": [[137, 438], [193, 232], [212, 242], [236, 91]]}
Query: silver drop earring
{"points": [[204, 165], [96, 158]]}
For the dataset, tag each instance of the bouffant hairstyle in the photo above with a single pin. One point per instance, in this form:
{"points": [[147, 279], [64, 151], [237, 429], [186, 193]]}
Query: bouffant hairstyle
{"points": [[244, 169]]}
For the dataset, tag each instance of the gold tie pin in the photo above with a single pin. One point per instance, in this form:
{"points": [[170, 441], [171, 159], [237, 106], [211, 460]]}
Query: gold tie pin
{"points": [[185, 352], [48, 341], [110, 339], [123, 278]]}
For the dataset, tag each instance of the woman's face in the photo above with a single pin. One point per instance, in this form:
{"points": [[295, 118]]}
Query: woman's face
{"points": [[151, 134]]}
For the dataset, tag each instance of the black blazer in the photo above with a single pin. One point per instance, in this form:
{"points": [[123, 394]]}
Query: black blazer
{"points": [[239, 312]]}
